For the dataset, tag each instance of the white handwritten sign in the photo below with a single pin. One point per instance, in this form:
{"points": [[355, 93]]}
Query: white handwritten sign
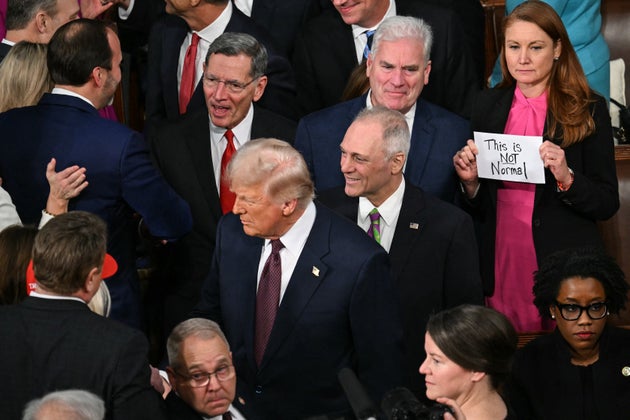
{"points": [[509, 157]]}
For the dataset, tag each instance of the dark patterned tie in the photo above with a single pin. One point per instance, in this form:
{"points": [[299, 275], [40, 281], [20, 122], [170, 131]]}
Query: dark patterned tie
{"points": [[187, 84], [226, 416], [267, 299], [226, 196], [374, 231]]}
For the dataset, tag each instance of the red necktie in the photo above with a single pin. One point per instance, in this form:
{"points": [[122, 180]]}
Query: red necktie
{"points": [[187, 85], [226, 196], [267, 299]]}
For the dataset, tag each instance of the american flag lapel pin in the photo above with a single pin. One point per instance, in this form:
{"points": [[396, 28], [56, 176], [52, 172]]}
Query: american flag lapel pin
{"points": [[414, 225]]}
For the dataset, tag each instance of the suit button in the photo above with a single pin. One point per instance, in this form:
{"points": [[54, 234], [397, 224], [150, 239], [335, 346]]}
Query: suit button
{"points": [[536, 223], [259, 389]]}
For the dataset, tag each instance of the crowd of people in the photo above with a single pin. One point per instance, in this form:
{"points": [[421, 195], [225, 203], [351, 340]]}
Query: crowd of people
{"points": [[306, 198]]}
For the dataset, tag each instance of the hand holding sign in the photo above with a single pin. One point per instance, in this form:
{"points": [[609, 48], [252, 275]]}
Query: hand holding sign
{"points": [[508, 157]]}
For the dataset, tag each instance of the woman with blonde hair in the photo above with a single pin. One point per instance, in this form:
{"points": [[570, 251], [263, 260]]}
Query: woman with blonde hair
{"points": [[24, 76], [544, 93]]}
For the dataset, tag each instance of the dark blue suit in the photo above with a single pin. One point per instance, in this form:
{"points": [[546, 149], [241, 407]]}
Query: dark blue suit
{"points": [[338, 311], [121, 179], [436, 136], [165, 41]]}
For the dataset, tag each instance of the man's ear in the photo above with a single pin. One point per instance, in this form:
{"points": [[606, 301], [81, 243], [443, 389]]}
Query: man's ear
{"points": [[172, 378], [93, 280], [260, 88], [289, 207], [398, 163], [42, 22], [99, 76]]}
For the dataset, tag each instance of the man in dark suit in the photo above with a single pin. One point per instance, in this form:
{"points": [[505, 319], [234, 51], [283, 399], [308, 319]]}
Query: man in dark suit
{"points": [[52, 341], [189, 154], [333, 43], [84, 60], [398, 68], [299, 291], [201, 373], [282, 19], [431, 243], [207, 19]]}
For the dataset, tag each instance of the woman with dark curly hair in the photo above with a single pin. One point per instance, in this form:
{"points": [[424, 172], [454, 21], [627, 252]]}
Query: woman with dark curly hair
{"points": [[582, 369]]}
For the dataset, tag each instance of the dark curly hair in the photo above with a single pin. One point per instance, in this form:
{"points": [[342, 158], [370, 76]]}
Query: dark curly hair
{"points": [[583, 263]]}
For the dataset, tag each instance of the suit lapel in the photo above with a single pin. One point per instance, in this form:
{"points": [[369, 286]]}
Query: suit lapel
{"points": [[173, 39], [198, 142], [309, 272], [422, 139], [410, 226]]}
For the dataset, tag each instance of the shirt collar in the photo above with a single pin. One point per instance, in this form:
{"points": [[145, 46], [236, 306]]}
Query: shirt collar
{"points": [[296, 236], [409, 115], [242, 132], [217, 27], [357, 30], [62, 91], [388, 210], [55, 297]]}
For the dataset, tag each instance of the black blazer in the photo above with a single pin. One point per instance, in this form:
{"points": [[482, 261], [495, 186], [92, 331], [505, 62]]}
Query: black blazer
{"points": [[338, 311], [325, 56], [561, 219], [50, 345], [545, 385], [165, 40], [434, 262], [4, 50], [182, 152], [177, 409]]}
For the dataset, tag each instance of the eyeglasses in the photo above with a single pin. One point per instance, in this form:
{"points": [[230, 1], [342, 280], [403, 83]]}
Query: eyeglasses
{"points": [[231, 85], [573, 312], [199, 380]]}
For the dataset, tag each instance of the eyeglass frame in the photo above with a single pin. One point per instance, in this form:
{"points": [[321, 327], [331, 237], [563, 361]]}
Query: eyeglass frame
{"points": [[208, 376], [233, 86], [561, 307]]}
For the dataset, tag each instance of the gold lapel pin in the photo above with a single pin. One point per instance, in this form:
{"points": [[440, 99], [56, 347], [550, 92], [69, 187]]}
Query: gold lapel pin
{"points": [[625, 371]]}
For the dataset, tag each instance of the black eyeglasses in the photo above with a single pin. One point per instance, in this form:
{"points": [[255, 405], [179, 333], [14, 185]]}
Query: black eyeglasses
{"points": [[573, 312], [201, 379]]}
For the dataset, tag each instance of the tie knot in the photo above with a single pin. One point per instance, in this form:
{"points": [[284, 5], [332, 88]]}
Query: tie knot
{"points": [[374, 215], [276, 246], [229, 135], [195, 40]]}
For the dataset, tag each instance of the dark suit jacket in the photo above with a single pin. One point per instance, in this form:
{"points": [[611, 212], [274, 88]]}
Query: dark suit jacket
{"points": [[166, 38], [338, 311], [121, 176], [325, 56], [284, 19], [50, 345], [545, 385], [436, 136], [177, 409], [561, 219], [182, 152], [4, 50], [435, 264]]}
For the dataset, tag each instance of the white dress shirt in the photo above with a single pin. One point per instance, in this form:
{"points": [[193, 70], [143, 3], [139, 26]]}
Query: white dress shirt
{"points": [[206, 37], [358, 32], [293, 241], [389, 211]]}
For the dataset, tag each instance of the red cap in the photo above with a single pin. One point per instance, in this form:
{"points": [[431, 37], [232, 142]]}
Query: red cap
{"points": [[109, 269]]}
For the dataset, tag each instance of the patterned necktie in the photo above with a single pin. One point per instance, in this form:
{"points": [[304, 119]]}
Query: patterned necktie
{"points": [[374, 231], [226, 416], [187, 85], [267, 299], [369, 34], [226, 196]]}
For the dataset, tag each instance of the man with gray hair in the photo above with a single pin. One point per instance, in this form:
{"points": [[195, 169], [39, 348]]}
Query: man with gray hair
{"points": [[71, 404], [398, 68], [431, 243], [193, 153], [299, 291], [201, 373]]}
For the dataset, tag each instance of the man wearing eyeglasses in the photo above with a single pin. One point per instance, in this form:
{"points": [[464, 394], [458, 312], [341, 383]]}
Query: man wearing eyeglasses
{"points": [[201, 373], [192, 154]]}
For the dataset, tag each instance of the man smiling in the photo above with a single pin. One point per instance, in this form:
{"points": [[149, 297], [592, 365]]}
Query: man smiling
{"points": [[398, 68]]}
